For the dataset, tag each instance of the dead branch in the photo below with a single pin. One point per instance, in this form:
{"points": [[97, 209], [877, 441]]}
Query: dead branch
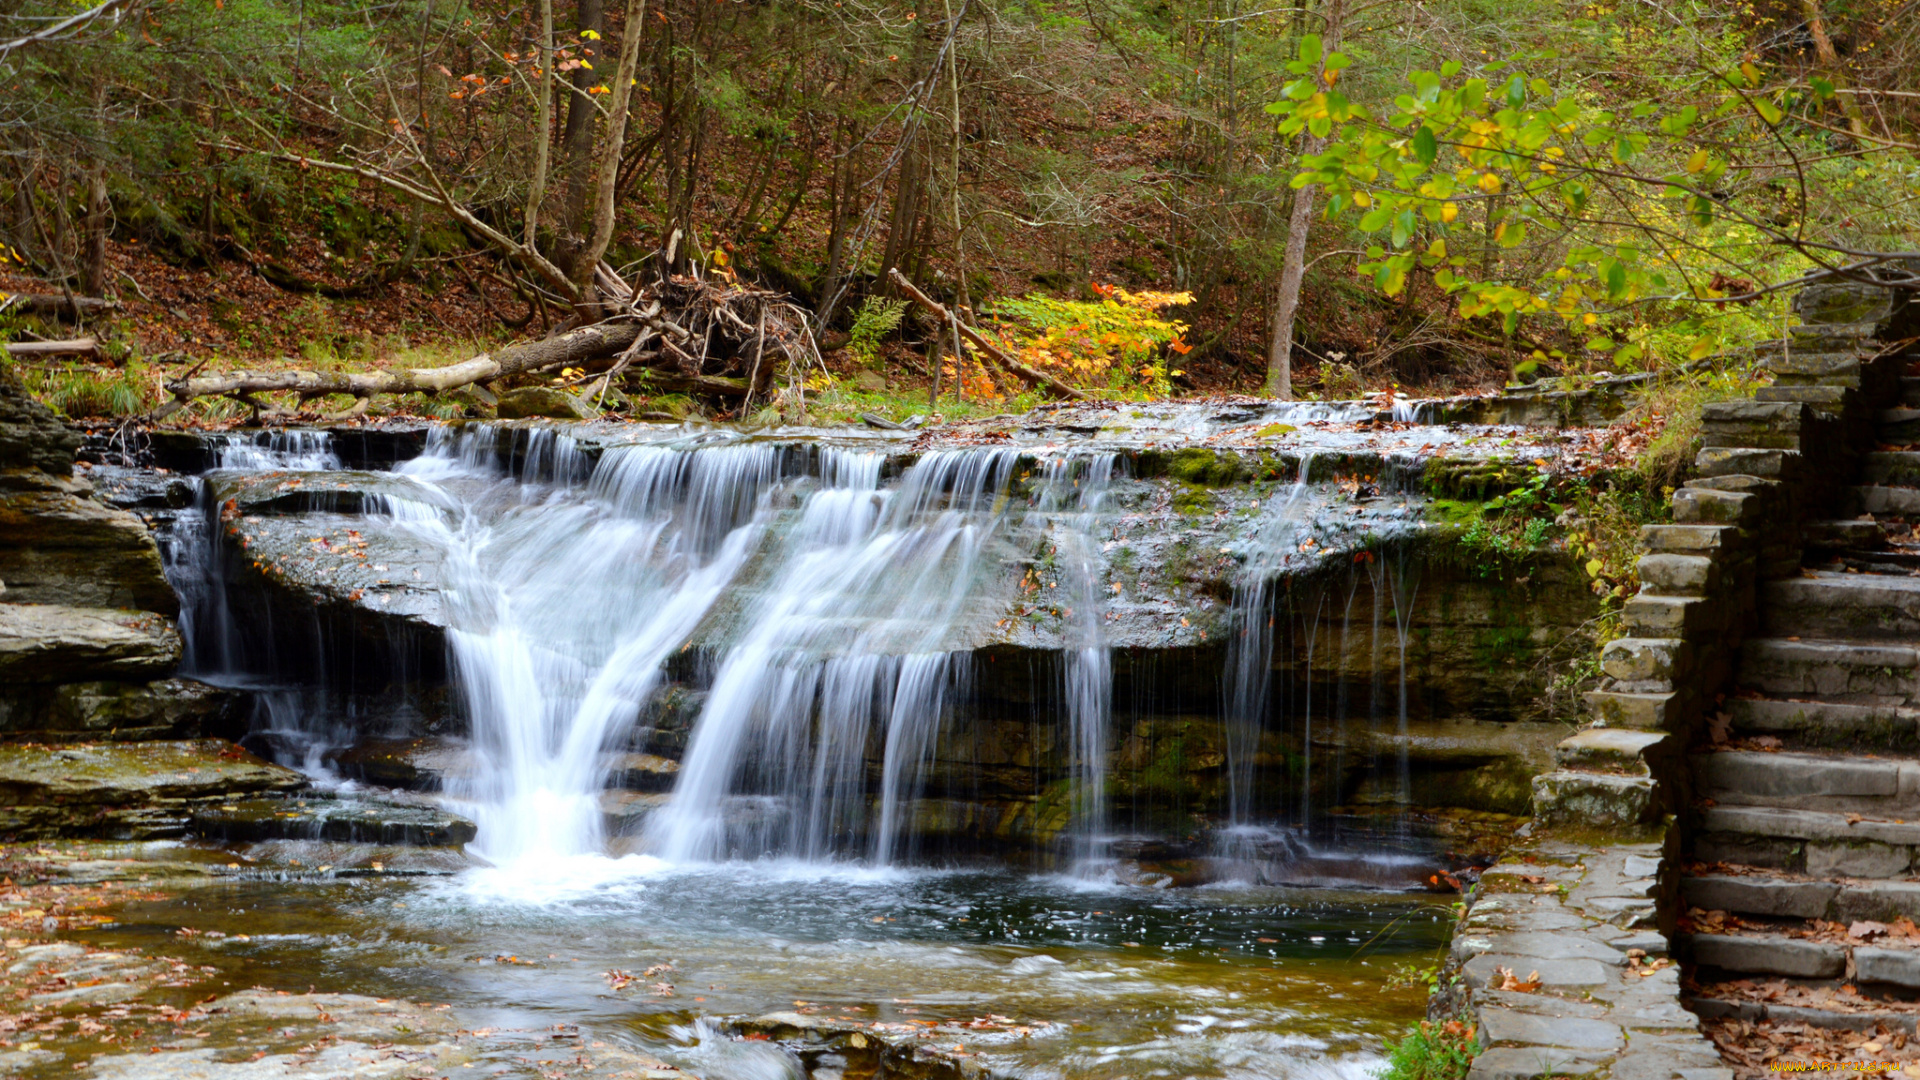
{"points": [[737, 325], [85, 346], [1029, 375], [55, 305]]}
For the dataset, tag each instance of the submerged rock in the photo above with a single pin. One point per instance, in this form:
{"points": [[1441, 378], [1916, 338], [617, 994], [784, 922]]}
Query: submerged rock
{"points": [[343, 819]]}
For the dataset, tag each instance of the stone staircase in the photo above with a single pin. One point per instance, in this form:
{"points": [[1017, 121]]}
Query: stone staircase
{"points": [[1804, 878]]}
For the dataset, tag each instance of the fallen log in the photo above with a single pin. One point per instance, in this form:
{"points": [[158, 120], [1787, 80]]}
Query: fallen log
{"points": [[85, 346], [55, 305], [577, 346], [1030, 376]]}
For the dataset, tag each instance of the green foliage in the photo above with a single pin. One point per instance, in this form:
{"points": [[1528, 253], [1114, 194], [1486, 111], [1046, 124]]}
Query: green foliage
{"points": [[1432, 1050], [1635, 201], [878, 316]]}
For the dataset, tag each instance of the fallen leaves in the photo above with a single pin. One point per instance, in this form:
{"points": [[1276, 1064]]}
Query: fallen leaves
{"points": [[1507, 980]]}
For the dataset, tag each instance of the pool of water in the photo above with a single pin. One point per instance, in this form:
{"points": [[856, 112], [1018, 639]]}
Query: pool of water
{"points": [[1066, 978]]}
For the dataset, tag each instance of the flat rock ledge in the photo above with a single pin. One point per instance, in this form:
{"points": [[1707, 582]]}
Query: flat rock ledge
{"points": [[1559, 961], [125, 790], [54, 643]]}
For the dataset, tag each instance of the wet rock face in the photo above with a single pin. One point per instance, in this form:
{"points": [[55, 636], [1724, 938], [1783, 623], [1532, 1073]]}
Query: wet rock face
{"points": [[119, 711]]}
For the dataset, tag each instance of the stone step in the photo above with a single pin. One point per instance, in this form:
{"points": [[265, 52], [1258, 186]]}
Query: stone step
{"points": [[1899, 426], [1812, 842], [1780, 896], [1868, 672], [1859, 607], [1886, 787], [1823, 724], [1910, 391], [1894, 965], [1831, 1019], [1882, 499], [1857, 534], [1891, 468]]}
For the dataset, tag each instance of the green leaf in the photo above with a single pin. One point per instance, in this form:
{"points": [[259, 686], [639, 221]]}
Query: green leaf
{"points": [[1767, 109], [1450, 68], [1402, 228], [1599, 344], [1338, 61], [1822, 89], [1376, 219], [1426, 147], [1310, 49], [1614, 276]]}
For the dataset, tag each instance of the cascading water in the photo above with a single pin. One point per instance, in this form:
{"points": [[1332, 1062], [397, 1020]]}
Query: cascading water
{"points": [[563, 602], [857, 629], [1249, 674]]}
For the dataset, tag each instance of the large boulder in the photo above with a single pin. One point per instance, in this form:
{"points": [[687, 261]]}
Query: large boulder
{"points": [[59, 546], [53, 643]]}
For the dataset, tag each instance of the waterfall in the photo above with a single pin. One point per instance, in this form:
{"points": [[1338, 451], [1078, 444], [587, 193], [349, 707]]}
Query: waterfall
{"points": [[1249, 675], [563, 602], [857, 627], [1076, 491]]}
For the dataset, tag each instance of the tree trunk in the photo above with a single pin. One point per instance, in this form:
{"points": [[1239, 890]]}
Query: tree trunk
{"points": [[577, 142], [609, 172], [1293, 262], [542, 126]]}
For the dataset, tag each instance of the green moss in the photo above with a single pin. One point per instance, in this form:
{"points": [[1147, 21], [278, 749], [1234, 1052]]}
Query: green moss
{"points": [[1192, 500], [1199, 465]]}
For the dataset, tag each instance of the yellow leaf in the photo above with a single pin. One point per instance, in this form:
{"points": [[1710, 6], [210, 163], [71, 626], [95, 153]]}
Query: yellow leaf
{"points": [[1697, 162], [1594, 566], [1449, 212], [1489, 183]]}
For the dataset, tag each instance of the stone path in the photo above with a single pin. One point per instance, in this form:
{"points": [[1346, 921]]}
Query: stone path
{"points": [[1579, 922]]}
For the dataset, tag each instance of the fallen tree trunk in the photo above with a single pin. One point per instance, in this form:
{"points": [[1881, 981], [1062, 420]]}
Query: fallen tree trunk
{"points": [[55, 305], [1030, 376], [577, 346], [85, 346]]}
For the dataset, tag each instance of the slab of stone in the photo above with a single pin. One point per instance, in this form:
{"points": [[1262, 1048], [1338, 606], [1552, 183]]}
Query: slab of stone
{"points": [[1748, 776], [60, 546], [1881, 900], [1769, 955], [1900, 967], [1531, 1063], [1565, 797], [1570, 1032], [1549, 946], [53, 643], [1619, 749], [340, 819], [1757, 895], [1578, 974], [1867, 860], [1807, 825], [134, 774]]}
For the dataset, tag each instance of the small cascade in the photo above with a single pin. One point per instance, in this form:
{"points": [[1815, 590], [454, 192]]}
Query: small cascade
{"points": [[1249, 675], [563, 601], [261, 451], [1077, 490]]}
